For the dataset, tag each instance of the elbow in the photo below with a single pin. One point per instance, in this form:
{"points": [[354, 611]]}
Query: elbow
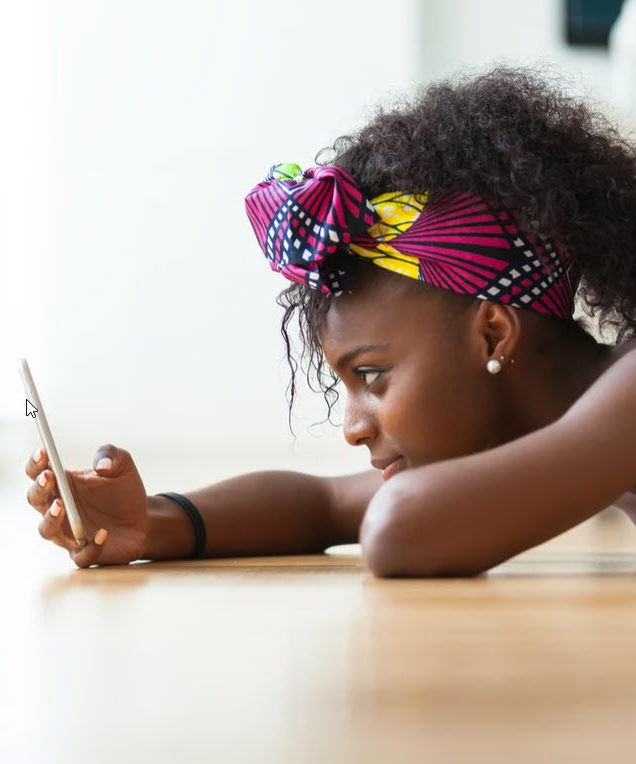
{"points": [[382, 537], [387, 557], [377, 548], [401, 539], [378, 555]]}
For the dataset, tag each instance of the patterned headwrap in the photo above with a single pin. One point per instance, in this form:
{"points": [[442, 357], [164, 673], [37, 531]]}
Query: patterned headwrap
{"points": [[456, 241]]}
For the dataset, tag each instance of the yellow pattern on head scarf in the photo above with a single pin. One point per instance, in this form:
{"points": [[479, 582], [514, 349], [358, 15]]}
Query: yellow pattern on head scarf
{"points": [[397, 211]]}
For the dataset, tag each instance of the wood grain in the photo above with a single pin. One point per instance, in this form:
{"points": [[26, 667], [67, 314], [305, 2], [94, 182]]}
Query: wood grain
{"points": [[308, 659]]}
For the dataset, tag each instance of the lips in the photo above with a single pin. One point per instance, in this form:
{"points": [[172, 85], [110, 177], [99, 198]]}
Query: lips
{"points": [[390, 466]]}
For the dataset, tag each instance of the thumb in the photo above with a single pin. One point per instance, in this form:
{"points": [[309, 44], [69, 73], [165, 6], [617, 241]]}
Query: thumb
{"points": [[89, 554], [110, 460]]}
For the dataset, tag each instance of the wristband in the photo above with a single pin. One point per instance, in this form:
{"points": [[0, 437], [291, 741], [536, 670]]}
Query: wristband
{"points": [[195, 518]]}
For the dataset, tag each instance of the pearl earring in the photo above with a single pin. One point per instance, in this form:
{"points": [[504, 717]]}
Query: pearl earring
{"points": [[494, 366]]}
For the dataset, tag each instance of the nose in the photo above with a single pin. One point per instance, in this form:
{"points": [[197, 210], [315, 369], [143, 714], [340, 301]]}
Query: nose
{"points": [[359, 424]]}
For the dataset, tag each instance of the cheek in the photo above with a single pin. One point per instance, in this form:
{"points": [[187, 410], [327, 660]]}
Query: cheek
{"points": [[442, 414]]}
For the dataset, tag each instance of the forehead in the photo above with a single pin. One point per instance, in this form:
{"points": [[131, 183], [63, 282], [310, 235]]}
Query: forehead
{"points": [[384, 313]]}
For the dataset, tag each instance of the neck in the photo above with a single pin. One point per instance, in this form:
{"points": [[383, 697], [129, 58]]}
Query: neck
{"points": [[547, 383]]}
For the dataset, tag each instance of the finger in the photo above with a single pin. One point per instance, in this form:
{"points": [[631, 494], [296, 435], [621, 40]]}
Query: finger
{"points": [[111, 461], [42, 491], [91, 553], [39, 460], [51, 525]]}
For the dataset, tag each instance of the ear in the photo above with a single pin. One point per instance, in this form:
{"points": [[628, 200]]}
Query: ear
{"points": [[497, 331]]}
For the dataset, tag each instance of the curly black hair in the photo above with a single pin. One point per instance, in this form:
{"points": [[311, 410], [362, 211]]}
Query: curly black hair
{"points": [[511, 134]]}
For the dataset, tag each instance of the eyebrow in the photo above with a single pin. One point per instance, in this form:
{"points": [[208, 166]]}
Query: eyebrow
{"points": [[347, 357]]}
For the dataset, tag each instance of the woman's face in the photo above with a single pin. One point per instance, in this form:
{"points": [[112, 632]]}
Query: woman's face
{"points": [[414, 372]]}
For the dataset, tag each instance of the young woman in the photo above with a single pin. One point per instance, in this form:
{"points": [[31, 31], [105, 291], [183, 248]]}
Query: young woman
{"points": [[434, 260]]}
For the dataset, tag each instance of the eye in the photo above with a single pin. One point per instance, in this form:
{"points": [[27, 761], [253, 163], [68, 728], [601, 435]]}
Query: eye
{"points": [[369, 376]]}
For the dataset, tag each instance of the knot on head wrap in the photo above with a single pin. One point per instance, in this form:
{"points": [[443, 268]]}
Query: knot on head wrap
{"points": [[455, 241], [299, 220]]}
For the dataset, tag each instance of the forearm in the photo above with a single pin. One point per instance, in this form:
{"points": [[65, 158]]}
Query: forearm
{"points": [[465, 515], [261, 513]]}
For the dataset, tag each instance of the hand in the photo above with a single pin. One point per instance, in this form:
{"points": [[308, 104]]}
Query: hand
{"points": [[112, 503]]}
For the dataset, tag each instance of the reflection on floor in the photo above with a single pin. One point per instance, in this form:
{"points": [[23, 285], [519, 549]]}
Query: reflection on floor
{"points": [[312, 659]]}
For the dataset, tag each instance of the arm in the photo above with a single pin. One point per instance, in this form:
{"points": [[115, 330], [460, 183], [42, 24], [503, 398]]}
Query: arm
{"points": [[263, 513], [465, 515]]}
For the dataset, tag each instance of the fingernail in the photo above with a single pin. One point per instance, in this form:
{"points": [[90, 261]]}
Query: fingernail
{"points": [[56, 508], [100, 536], [43, 479], [105, 463], [37, 455]]}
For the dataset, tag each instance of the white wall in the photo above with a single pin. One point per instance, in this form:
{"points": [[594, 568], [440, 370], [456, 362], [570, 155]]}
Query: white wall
{"points": [[148, 315], [150, 320], [623, 62], [474, 33]]}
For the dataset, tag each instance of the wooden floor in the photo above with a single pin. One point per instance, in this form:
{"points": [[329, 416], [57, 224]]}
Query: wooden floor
{"points": [[311, 659]]}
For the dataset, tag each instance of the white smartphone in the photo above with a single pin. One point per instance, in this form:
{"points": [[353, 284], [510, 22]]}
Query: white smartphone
{"points": [[37, 412]]}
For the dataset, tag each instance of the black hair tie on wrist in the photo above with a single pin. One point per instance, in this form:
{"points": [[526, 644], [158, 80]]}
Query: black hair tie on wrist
{"points": [[197, 521]]}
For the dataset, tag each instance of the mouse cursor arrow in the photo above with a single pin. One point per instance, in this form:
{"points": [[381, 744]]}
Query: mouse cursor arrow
{"points": [[30, 409]]}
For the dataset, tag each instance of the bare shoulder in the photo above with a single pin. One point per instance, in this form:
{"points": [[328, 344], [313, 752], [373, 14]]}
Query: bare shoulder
{"points": [[614, 389], [622, 373], [606, 415]]}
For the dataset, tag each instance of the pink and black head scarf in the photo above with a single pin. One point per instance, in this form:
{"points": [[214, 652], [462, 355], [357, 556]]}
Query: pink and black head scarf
{"points": [[455, 241]]}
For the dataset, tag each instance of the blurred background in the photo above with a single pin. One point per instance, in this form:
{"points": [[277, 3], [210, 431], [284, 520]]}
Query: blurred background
{"points": [[131, 132]]}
